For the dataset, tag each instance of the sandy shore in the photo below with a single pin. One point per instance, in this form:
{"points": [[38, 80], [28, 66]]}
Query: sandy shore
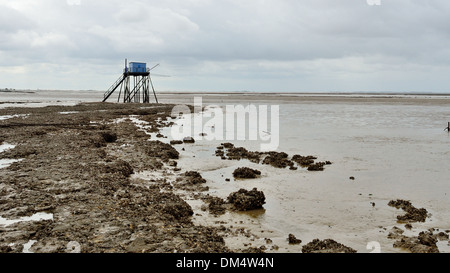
{"points": [[99, 177]]}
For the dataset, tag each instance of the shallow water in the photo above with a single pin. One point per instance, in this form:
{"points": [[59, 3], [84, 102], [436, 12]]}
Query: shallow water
{"points": [[394, 151]]}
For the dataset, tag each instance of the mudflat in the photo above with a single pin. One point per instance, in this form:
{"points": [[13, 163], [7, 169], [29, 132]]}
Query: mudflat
{"points": [[76, 165], [97, 175]]}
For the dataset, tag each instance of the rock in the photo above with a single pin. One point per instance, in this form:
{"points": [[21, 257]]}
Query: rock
{"points": [[326, 246], [247, 200], [412, 214], [278, 160], [304, 161], [175, 206], [194, 177], [238, 153], [188, 140], [172, 163], [228, 145], [426, 238], [316, 166], [119, 166], [220, 153], [216, 205], [246, 173], [424, 243], [161, 150], [293, 240]]}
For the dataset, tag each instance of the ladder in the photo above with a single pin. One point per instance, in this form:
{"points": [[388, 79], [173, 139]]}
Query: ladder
{"points": [[114, 87]]}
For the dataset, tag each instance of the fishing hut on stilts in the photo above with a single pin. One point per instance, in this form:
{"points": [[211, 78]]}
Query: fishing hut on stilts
{"points": [[134, 84]]}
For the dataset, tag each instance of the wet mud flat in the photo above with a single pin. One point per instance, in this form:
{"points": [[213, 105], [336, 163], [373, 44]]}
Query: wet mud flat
{"points": [[99, 177], [76, 164]]}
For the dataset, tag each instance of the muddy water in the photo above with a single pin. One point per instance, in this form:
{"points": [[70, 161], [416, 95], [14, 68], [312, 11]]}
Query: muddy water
{"points": [[393, 150]]}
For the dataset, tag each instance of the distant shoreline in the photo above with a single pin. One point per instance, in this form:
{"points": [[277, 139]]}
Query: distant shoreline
{"points": [[17, 91], [269, 93]]}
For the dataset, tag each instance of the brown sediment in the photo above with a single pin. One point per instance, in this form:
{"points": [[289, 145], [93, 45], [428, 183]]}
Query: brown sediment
{"points": [[188, 140]]}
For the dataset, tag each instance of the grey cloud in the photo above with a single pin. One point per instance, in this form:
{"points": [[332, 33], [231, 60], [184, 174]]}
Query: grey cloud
{"points": [[235, 39]]}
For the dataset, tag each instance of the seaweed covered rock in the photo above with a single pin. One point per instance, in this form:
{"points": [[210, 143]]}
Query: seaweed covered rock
{"points": [[191, 181], [188, 140], [413, 214], [326, 246], [316, 166], [304, 161], [293, 240], [245, 172], [278, 160], [216, 205], [238, 153], [194, 177], [228, 145], [161, 150], [247, 200], [425, 242], [173, 205], [119, 166]]}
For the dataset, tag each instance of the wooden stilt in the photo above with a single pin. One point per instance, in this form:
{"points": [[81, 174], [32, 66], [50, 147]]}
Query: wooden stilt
{"points": [[448, 128]]}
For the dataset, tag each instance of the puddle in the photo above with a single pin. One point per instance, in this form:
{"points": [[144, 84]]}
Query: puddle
{"points": [[6, 146], [27, 246], [4, 163], [36, 217], [11, 116]]}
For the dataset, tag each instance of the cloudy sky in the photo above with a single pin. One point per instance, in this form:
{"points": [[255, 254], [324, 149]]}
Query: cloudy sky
{"points": [[228, 45]]}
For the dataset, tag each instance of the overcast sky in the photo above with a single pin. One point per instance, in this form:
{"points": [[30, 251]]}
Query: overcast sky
{"points": [[228, 45]]}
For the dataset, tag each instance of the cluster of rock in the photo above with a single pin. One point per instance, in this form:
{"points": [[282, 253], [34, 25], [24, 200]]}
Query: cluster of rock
{"points": [[326, 246], [227, 151], [246, 172], [413, 214], [241, 200], [425, 241]]}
